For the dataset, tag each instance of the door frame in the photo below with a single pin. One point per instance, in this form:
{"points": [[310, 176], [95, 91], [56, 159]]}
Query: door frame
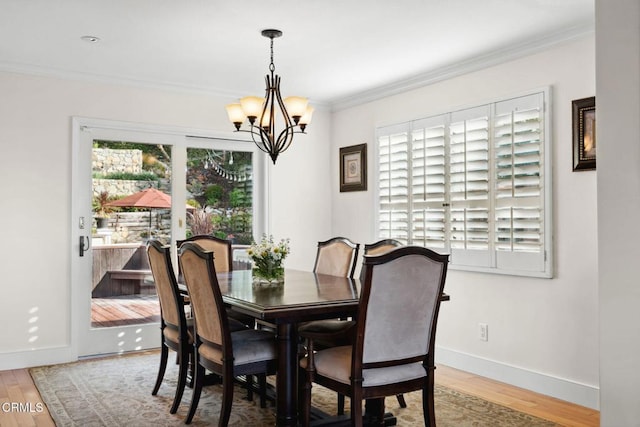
{"points": [[90, 341]]}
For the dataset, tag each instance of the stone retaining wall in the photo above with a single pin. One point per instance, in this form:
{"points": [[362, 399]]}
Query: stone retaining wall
{"points": [[120, 187], [106, 160]]}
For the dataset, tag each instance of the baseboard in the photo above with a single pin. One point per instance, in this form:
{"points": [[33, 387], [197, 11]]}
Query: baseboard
{"points": [[570, 391], [40, 357]]}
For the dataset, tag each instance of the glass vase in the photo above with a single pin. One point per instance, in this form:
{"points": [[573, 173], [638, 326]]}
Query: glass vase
{"points": [[270, 274]]}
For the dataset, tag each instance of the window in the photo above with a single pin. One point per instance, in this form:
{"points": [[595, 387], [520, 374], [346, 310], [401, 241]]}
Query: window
{"points": [[471, 183], [220, 189]]}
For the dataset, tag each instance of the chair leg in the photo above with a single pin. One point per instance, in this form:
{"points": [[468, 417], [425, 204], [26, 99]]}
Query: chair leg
{"points": [[401, 401], [356, 409], [340, 404], [428, 406], [305, 383], [227, 400], [197, 389], [262, 383], [182, 379], [164, 354], [249, 384]]}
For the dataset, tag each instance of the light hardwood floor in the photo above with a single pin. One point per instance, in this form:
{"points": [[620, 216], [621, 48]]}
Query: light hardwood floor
{"points": [[17, 386]]}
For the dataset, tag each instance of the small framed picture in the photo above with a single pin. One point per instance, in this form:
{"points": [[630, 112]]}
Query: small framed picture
{"points": [[353, 168], [584, 134]]}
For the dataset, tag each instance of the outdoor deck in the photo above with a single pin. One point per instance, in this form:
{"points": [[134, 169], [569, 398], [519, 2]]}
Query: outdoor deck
{"points": [[124, 310]]}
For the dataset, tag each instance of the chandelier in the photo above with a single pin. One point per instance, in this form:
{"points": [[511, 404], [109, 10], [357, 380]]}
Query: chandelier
{"points": [[293, 113]]}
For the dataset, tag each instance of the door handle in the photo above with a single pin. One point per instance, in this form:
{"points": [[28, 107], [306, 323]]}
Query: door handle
{"points": [[85, 244]]}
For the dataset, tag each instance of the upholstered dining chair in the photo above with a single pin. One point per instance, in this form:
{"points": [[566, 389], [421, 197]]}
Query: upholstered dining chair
{"points": [[391, 354], [174, 326], [221, 248], [332, 332], [216, 348], [223, 260], [336, 257], [378, 248]]}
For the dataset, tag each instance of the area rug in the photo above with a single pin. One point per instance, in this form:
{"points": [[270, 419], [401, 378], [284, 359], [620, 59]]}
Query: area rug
{"points": [[116, 391]]}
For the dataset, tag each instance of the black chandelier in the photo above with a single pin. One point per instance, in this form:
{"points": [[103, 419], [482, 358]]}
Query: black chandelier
{"points": [[294, 112]]}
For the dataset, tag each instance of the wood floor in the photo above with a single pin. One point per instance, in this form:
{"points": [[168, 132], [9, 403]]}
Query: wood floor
{"points": [[124, 310], [17, 387]]}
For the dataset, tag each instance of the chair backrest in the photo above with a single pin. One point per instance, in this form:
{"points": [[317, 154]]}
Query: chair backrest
{"points": [[378, 248], [171, 302], [337, 257], [385, 333], [221, 249], [211, 322], [381, 246]]}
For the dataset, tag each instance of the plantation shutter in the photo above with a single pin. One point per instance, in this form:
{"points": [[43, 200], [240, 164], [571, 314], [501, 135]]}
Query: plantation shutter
{"points": [[428, 183], [393, 155], [519, 220], [469, 186], [471, 183]]}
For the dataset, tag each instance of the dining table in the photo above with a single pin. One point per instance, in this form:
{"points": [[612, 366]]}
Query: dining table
{"points": [[302, 297]]}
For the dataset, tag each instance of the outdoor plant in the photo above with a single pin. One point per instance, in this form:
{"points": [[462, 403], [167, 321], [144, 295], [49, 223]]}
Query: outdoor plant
{"points": [[100, 205], [200, 222]]}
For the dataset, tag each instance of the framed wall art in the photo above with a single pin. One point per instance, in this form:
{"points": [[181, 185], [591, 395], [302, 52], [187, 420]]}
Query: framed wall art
{"points": [[353, 168], [584, 134]]}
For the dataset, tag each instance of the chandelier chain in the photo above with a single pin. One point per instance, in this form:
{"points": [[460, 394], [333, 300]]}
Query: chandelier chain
{"points": [[272, 67]]}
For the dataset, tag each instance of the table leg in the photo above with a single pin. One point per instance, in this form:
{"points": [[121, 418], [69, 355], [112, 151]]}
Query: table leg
{"points": [[287, 376]]}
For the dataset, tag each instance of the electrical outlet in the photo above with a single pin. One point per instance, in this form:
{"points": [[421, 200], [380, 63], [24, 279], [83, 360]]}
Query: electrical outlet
{"points": [[484, 332]]}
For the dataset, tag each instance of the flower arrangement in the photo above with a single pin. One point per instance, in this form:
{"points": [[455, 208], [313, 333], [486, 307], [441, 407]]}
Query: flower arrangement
{"points": [[267, 257]]}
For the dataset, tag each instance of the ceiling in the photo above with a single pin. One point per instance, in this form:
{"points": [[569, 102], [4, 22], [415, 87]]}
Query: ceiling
{"points": [[331, 51]]}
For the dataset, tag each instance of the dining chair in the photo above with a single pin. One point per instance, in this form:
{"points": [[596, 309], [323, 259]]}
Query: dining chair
{"points": [[378, 248], [221, 248], [332, 332], [175, 328], [223, 260], [391, 354], [336, 257], [216, 348]]}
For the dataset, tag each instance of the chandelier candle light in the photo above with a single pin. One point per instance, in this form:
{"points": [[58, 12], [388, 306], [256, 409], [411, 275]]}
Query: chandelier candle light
{"points": [[261, 112]]}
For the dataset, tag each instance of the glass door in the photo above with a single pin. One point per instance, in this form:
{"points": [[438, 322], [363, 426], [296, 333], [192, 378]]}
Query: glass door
{"points": [[131, 183], [123, 197]]}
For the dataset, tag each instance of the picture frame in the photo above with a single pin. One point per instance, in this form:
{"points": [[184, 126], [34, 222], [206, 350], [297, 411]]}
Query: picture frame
{"points": [[584, 134], [353, 168]]}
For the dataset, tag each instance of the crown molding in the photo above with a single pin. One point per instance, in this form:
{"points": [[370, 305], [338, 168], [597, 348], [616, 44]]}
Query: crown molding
{"points": [[477, 63], [37, 70], [50, 72]]}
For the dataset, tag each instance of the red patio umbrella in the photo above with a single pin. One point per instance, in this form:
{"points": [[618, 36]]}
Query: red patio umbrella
{"points": [[150, 198]]}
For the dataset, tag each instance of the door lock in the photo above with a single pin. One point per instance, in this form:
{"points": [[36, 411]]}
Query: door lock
{"points": [[84, 244]]}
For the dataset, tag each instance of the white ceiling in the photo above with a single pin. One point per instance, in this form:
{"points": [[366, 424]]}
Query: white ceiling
{"points": [[331, 50]]}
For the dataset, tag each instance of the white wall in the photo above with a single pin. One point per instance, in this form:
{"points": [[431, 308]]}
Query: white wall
{"points": [[543, 333], [618, 133], [35, 184]]}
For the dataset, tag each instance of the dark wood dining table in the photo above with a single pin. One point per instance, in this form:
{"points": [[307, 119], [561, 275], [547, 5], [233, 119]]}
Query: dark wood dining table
{"points": [[304, 296]]}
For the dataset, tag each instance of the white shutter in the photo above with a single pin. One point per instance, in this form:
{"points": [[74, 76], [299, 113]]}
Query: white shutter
{"points": [[393, 209], [469, 186], [471, 183], [519, 216], [428, 183]]}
